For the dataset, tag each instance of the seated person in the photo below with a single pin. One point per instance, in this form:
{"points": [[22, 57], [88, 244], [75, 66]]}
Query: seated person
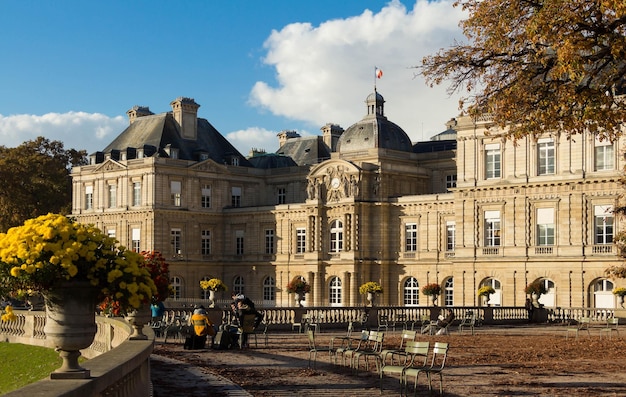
{"points": [[202, 326], [441, 323]]}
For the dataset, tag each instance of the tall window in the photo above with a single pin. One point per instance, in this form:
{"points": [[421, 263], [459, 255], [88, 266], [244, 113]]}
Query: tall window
{"points": [[205, 199], [450, 235], [136, 193], [239, 242], [493, 162], [175, 191], [604, 158], [112, 196], [336, 236], [300, 240], [410, 238], [282, 195], [450, 181], [492, 228], [111, 233], [88, 197], [335, 291], [448, 292], [602, 294], [545, 226], [603, 219], [269, 289], [176, 241], [135, 239], [235, 198], [205, 242], [176, 283], [238, 285], [269, 241], [545, 156], [411, 292]]}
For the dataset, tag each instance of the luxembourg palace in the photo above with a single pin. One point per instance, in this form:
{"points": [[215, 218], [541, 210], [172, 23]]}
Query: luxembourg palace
{"points": [[465, 209]]}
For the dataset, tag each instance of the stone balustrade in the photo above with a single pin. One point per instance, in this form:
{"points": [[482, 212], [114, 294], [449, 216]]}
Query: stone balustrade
{"points": [[119, 367]]}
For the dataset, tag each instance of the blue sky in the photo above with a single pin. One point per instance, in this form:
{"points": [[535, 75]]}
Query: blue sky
{"points": [[71, 69]]}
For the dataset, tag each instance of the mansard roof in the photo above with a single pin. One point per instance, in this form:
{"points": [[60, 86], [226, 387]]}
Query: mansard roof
{"points": [[305, 150], [161, 132]]}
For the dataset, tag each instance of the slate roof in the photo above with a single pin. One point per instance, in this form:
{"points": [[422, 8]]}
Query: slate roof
{"points": [[160, 130], [306, 150], [374, 131]]}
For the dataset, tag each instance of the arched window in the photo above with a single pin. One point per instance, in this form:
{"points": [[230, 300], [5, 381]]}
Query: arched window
{"points": [[204, 293], [269, 289], [495, 299], [411, 292], [238, 285], [335, 291], [603, 294], [448, 292], [177, 284], [336, 236]]}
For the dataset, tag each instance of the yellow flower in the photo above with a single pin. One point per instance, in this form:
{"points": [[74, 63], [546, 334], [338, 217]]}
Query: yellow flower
{"points": [[50, 249]]}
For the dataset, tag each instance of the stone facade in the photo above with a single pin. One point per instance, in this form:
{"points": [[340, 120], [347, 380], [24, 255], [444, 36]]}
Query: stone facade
{"points": [[463, 213]]}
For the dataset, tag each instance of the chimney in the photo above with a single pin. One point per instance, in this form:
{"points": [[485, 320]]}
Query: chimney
{"points": [[284, 135], [185, 112], [331, 134], [138, 111]]}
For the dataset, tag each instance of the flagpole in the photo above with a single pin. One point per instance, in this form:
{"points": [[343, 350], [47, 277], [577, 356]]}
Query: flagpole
{"points": [[375, 77]]}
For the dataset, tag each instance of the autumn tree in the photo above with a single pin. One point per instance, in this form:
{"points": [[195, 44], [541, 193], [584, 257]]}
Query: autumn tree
{"points": [[36, 180], [539, 66]]}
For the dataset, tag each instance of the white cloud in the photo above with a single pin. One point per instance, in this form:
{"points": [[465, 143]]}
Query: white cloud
{"points": [[77, 130], [325, 73]]}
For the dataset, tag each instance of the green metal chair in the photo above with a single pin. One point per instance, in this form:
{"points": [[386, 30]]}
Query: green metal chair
{"points": [[415, 354], [437, 364]]}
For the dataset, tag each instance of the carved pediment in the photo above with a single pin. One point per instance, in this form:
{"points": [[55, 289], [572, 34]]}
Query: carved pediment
{"points": [[208, 166], [110, 165]]}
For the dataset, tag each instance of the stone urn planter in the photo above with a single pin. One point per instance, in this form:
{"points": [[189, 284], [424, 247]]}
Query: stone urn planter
{"points": [[137, 319], [299, 297], [211, 298], [535, 299], [371, 298], [71, 325]]}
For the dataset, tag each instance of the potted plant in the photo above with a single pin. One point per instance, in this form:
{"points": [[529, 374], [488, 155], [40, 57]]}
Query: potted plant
{"points": [[535, 290], [74, 266], [485, 291], [213, 285], [371, 288], [620, 293], [432, 290], [299, 287]]}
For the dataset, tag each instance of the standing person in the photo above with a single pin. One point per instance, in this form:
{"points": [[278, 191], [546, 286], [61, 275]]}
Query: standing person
{"points": [[202, 326], [158, 309], [530, 309]]}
